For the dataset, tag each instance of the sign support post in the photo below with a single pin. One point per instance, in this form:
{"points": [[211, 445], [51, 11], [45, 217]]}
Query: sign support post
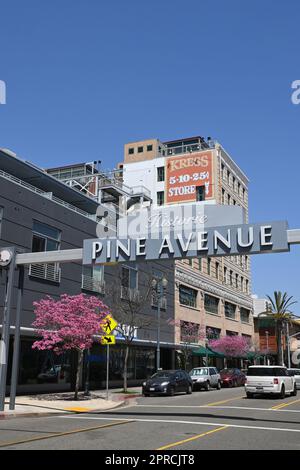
{"points": [[107, 369], [4, 343], [16, 348]]}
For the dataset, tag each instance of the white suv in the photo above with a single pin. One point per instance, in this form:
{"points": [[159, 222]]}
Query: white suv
{"points": [[269, 380]]}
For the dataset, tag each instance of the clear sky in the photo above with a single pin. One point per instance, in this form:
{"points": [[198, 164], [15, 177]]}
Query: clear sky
{"points": [[84, 77]]}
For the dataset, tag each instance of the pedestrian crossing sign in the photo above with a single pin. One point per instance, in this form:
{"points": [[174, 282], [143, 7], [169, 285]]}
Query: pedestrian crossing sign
{"points": [[108, 324], [108, 339]]}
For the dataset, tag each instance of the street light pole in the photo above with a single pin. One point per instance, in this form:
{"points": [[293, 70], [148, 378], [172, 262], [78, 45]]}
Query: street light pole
{"points": [[158, 327], [159, 284]]}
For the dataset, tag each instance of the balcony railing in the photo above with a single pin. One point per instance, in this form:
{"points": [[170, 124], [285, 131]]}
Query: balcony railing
{"points": [[93, 285], [45, 194], [47, 272], [127, 293]]}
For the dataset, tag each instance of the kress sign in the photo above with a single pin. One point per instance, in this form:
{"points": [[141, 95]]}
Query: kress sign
{"points": [[269, 237]]}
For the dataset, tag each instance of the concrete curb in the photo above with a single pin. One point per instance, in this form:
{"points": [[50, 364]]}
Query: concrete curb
{"points": [[58, 412]]}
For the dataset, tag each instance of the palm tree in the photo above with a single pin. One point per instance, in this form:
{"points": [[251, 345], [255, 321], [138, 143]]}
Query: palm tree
{"points": [[278, 310]]}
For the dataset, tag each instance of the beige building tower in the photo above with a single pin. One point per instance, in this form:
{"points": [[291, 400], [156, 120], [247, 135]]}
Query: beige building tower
{"points": [[214, 293]]}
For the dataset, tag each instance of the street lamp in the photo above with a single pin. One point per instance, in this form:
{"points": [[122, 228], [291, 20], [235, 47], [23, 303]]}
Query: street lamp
{"points": [[159, 284]]}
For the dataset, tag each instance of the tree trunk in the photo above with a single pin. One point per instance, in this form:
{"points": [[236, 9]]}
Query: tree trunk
{"points": [[125, 368], [79, 368]]}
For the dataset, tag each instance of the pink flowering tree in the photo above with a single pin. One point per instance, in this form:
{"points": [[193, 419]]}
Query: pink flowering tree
{"points": [[68, 323], [190, 333], [231, 346]]}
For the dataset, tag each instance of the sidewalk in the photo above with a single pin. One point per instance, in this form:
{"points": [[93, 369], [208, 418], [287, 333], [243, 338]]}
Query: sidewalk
{"points": [[58, 403]]}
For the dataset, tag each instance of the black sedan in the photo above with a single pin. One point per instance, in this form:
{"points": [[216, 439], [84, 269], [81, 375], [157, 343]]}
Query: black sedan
{"points": [[168, 382]]}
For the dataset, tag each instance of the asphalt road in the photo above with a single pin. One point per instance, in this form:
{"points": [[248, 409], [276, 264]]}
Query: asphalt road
{"points": [[222, 419]]}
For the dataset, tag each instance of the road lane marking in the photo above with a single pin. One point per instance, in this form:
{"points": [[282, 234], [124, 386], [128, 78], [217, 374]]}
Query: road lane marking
{"points": [[217, 407], [283, 405], [66, 433], [173, 421], [178, 443], [78, 409], [223, 401]]}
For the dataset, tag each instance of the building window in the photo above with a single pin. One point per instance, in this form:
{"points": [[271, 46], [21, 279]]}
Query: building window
{"points": [[140, 149], [217, 270], [149, 148], [161, 173], [212, 333], [230, 310], [189, 332], [191, 262], [129, 277], [225, 275], [200, 193], [237, 281], [160, 198], [200, 264], [187, 296], [245, 315], [211, 304], [231, 333], [208, 266], [247, 286], [242, 284], [45, 238], [93, 279], [230, 278], [131, 150], [223, 196]]}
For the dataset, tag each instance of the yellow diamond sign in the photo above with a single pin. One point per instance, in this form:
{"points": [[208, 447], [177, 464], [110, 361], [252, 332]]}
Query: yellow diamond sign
{"points": [[108, 324], [108, 339]]}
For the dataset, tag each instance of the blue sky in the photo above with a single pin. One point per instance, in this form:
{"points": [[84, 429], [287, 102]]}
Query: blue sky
{"points": [[84, 77]]}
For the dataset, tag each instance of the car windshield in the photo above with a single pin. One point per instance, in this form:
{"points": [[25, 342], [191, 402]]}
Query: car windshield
{"points": [[293, 372], [227, 371], [262, 371], [199, 372], [162, 374]]}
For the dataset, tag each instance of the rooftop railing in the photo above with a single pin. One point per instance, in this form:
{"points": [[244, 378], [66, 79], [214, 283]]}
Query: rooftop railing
{"points": [[47, 195]]}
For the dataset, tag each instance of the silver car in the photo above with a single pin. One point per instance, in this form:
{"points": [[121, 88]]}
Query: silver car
{"points": [[296, 374], [205, 377]]}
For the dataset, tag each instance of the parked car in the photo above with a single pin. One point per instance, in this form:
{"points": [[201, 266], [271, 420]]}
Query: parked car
{"points": [[168, 382], [269, 380], [296, 374], [205, 377], [232, 377]]}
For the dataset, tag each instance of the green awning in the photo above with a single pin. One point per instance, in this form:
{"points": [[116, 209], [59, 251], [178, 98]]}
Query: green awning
{"points": [[203, 352]]}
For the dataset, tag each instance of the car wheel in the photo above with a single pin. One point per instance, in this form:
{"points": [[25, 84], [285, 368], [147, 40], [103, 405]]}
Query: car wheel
{"points": [[294, 393], [282, 392], [172, 392], [235, 384], [249, 395], [189, 390], [219, 385], [146, 395], [206, 386]]}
